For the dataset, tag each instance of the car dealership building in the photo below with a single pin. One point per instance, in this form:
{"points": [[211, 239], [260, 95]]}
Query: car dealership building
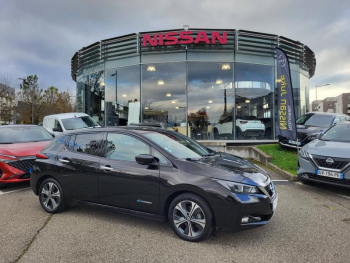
{"points": [[209, 84]]}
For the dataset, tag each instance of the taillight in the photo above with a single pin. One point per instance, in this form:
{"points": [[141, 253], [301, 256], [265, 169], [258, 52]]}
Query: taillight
{"points": [[41, 156], [243, 122]]}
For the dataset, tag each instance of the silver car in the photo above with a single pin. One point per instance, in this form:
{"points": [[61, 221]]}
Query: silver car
{"points": [[327, 159]]}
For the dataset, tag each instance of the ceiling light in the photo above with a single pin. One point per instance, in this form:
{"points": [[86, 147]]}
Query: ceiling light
{"points": [[226, 66], [146, 108], [208, 107], [239, 106], [210, 101], [176, 107], [168, 94], [124, 95], [102, 84], [247, 101], [151, 68], [218, 81], [160, 82]]}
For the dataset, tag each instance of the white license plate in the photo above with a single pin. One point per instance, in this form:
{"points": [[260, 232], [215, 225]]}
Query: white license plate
{"points": [[274, 203], [294, 142], [330, 174]]}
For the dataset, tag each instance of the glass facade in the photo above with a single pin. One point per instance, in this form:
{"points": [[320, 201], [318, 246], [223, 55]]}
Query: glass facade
{"points": [[208, 94]]}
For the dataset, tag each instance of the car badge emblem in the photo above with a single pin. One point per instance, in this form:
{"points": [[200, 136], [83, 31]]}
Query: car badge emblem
{"points": [[329, 161]]}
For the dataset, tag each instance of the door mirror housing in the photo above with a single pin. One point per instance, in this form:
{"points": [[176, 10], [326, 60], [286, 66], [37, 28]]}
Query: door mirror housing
{"points": [[56, 129], [145, 159]]}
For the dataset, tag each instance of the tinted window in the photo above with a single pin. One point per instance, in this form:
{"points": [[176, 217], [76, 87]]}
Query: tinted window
{"points": [[79, 123], [338, 133], [23, 134], [178, 145], [124, 147], [315, 120], [88, 143], [161, 158]]}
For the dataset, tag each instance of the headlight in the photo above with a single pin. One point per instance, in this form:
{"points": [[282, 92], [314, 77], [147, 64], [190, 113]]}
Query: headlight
{"points": [[313, 136], [238, 188], [303, 154]]}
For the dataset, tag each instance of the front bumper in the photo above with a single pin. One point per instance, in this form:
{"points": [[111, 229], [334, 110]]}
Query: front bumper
{"points": [[253, 132], [307, 171], [12, 173], [245, 211]]}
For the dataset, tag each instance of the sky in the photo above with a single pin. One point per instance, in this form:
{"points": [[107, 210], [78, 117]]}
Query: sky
{"points": [[41, 36]]}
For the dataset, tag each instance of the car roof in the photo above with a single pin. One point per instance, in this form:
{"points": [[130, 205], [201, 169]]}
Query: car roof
{"points": [[67, 115], [131, 129], [19, 125], [324, 113]]}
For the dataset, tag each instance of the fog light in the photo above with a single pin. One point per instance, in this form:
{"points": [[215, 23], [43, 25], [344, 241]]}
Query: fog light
{"points": [[245, 220]]}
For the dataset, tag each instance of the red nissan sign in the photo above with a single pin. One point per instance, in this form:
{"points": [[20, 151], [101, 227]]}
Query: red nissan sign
{"points": [[183, 38]]}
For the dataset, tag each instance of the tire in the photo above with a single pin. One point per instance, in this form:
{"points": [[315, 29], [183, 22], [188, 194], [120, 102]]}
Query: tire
{"points": [[51, 196], [190, 227]]}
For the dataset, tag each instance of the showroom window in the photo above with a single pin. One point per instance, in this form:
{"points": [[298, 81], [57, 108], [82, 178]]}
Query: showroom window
{"points": [[92, 92], [123, 96], [164, 95], [210, 100], [254, 101]]}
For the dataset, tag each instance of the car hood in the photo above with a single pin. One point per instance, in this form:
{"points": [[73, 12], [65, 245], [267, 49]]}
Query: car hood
{"points": [[229, 167], [23, 149], [331, 149], [310, 129]]}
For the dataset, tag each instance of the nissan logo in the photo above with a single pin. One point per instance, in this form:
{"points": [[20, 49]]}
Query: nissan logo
{"points": [[329, 161]]}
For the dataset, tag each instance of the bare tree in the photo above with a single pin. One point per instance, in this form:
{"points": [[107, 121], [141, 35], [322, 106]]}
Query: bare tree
{"points": [[7, 100]]}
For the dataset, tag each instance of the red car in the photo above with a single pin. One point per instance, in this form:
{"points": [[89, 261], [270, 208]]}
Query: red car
{"points": [[19, 145]]}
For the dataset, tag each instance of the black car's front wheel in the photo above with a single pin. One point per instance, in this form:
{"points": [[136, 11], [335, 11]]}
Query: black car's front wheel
{"points": [[51, 196], [190, 217]]}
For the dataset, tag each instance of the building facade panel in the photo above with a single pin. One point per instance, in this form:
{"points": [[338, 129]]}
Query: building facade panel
{"points": [[206, 84]]}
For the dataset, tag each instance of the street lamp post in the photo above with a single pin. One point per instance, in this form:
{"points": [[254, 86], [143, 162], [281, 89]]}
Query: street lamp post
{"points": [[317, 86]]}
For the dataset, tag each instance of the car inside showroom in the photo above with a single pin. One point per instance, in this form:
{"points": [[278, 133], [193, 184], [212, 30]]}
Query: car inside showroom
{"points": [[208, 84]]}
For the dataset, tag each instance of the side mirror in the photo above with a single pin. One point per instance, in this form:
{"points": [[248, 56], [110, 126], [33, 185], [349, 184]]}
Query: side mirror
{"points": [[56, 130], [145, 159]]}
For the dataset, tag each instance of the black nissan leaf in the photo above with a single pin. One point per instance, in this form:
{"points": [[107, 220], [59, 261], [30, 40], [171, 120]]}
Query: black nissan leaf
{"points": [[154, 173]]}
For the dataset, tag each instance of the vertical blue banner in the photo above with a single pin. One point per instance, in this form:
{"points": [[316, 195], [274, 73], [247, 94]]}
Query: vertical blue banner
{"points": [[285, 124]]}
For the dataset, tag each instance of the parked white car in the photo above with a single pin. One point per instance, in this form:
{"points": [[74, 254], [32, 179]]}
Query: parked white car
{"points": [[246, 126], [58, 123]]}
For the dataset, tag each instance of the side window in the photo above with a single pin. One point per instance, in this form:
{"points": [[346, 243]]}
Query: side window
{"points": [[161, 158], [342, 118], [58, 125], [124, 147], [70, 143], [336, 120], [88, 143]]}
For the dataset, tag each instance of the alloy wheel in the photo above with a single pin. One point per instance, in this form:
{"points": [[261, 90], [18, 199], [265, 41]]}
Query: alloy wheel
{"points": [[50, 196], [189, 218]]}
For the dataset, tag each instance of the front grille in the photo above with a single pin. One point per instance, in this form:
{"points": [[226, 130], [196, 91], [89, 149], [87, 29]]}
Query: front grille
{"points": [[301, 136], [329, 179], [23, 165], [339, 163]]}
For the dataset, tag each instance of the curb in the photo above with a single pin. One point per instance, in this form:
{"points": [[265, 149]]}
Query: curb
{"points": [[266, 159]]}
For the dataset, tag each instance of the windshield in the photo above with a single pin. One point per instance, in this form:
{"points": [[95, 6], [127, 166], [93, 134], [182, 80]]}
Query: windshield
{"points": [[23, 134], [316, 120], [338, 133], [79, 123], [178, 145]]}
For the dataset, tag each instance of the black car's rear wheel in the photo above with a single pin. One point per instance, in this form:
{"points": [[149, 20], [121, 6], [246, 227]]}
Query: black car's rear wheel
{"points": [[190, 217], [51, 196]]}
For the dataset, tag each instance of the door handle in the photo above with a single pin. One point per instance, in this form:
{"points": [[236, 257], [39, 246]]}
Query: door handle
{"points": [[106, 168], [63, 160]]}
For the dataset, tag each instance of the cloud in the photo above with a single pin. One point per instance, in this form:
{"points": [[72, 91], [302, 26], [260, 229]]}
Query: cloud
{"points": [[40, 37]]}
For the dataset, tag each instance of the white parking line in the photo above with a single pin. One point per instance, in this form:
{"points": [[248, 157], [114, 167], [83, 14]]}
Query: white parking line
{"points": [[345, 196], [280, 181], [9, 192]]}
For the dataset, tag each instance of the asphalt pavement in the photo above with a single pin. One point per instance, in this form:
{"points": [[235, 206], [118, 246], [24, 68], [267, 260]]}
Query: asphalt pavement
{"points": [[311, 224]]}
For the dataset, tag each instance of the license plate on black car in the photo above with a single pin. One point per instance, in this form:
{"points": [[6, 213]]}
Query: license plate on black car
{"points": [[330, 174], [294, 142]]}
